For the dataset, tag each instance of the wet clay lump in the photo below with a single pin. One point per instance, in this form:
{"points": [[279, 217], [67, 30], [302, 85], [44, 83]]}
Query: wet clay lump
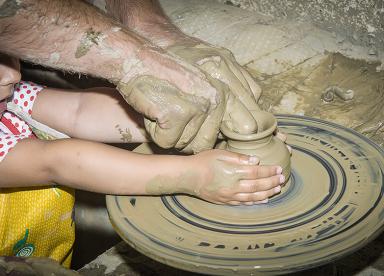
{"points": [[263, 144]]}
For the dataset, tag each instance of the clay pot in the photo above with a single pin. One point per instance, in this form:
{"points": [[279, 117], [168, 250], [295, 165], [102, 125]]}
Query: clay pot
{"points": [[263, 144]]}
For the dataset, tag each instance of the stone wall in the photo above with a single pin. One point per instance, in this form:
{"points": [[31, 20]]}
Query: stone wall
{"points": [[359, 21]]}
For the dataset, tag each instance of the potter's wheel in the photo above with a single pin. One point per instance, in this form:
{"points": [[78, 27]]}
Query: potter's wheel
{"points": [[333, 206]]}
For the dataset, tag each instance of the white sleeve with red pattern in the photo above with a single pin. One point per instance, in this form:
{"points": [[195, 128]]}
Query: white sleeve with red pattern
{"points": [[21, 105], [13, 128], [25, 94], [8, 141]]}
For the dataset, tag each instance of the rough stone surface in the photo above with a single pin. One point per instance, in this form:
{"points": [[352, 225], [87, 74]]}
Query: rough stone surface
{"points": [[360, 21]]}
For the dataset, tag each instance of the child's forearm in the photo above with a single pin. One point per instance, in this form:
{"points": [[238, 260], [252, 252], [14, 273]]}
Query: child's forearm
{"points": [[97, 114], [89, 166], [217, 176]]}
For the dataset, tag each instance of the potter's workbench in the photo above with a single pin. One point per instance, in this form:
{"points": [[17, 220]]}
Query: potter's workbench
{"points": [[122, 259]]}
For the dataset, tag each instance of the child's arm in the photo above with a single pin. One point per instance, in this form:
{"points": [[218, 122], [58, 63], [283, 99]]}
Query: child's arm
{"points": [[216, 176], [98, 114]]}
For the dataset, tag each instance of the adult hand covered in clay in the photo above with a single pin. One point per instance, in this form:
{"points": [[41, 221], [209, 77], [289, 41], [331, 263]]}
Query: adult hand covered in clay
{"points": [[174, 118], [183, 107], [241, 93], [220, 64]]}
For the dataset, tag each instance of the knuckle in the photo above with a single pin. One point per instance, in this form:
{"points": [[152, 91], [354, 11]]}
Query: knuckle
{"points": [[224, 193], [260, 196], [255, 171], [254, 187], [277, 180], [247, 197]]}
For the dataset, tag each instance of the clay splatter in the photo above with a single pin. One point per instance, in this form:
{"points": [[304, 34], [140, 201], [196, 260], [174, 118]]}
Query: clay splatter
{"points": [[9, 8], [90, 38], [126, 135]]}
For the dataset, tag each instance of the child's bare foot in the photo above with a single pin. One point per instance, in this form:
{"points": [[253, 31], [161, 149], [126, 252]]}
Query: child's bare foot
{"points": [[235, 179]]}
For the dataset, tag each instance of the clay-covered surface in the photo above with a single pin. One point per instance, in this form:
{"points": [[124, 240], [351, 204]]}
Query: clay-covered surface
{"points": [[332, 206], [299, 90], [294, 62], [359, 21]]}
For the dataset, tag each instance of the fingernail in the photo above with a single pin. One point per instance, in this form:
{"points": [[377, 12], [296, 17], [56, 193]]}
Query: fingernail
{"points": [[277, 189], [282, 179], [279, 170], [253, 160], [261, 201]]}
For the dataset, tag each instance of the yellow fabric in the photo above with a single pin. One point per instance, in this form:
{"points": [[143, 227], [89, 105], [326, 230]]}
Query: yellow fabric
{"points": [[37, 222]]}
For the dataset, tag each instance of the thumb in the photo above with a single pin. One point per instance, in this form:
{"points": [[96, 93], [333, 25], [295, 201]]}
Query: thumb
{"points": [[238, 118], [166, 111]]}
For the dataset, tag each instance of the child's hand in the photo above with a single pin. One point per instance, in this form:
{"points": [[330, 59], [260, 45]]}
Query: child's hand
{"points": [[232, 178]]}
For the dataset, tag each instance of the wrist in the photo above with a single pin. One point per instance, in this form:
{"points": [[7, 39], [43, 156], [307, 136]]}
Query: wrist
{"points": [[163, 34], [175, 175], [196, 168], [159, 30]]}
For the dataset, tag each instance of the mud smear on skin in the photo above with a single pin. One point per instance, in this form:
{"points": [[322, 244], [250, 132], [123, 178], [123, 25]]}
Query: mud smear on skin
{"points": [[126, 135], [9, 8], [299, 90], [164, 184], [90, 38]]}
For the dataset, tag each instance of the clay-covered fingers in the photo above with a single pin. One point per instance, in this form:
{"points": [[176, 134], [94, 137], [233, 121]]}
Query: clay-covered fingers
{"points": [[171, 116], [243, 85], [220, 64], [237, 117], [209, 130], [255, 88], [224, 68]]}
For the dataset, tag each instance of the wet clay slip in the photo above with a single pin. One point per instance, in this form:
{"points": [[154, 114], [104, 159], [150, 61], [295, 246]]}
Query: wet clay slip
{"points": [[334, 205]]}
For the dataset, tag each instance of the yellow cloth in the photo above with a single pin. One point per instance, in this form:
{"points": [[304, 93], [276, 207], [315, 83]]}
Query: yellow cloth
{"points": [[37, 222]]}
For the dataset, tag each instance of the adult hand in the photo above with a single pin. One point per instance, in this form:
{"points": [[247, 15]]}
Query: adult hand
{"points": [[240, 91], [219, 63], [183, 107]]}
